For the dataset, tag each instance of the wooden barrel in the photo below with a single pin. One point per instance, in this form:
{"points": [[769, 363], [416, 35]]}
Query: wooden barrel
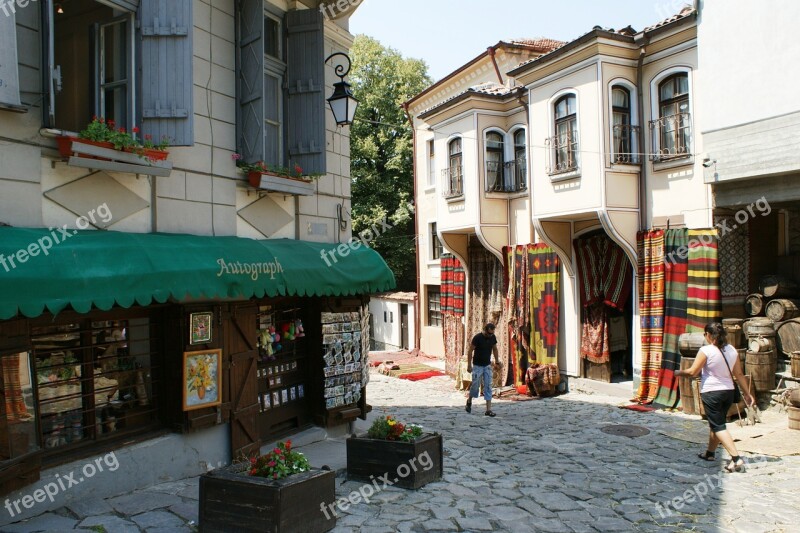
{"points": [[794, 397], [794, 417], [773, 286], [742, 357], [782, 309], [685, 388], [735, 336], [689, 343], [761, 344], [754, 304], [760, 327], [796, 364], [761, 366]]}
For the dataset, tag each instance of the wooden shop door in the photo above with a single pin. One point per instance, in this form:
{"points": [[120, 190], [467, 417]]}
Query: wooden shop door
{"points": [[242, 357]]}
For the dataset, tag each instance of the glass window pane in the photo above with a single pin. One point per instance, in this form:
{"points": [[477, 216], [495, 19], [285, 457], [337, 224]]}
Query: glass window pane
{"points": [[272, 37], [115, 105], [114, 52], [455, 146], [272, 103], [619, 97], [682, 84], [494, 141], [519, 138]]}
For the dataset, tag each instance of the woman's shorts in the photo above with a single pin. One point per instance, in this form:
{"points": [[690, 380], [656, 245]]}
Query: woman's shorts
{"points": [[717, 404]]}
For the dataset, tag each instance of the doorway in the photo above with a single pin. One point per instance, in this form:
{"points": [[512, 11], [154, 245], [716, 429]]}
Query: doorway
{"points": [[404, 326]]}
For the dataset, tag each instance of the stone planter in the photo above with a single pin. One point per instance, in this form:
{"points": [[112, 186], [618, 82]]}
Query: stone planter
{"points": [[234, 501], [409, 465]]}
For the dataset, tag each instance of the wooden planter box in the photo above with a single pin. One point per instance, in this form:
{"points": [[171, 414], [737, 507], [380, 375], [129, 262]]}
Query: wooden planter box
{"points": [[232, 501], [369, 459], [273, 182], [103, 156]]}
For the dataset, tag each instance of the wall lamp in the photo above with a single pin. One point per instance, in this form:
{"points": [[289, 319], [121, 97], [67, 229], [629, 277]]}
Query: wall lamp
{"points": [[343, 103]]}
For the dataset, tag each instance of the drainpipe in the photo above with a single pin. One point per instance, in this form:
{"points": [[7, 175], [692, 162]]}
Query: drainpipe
{"points": [[642, 41], [491, 51], [417, 332]]}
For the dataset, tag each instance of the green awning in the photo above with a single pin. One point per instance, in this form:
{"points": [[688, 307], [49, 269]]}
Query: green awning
{"points": [[53, 270]]}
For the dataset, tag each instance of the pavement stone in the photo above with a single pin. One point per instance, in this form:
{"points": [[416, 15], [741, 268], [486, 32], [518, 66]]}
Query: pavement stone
{"points": [[84, 508], [110, 523], [474, 524], [157, 519], [140, 502], [44, 522]]}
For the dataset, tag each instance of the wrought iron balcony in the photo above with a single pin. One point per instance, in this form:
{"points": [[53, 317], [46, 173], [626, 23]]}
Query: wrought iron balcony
{"points": [[671, 137], [626, 140], [453, 182], [507, 177], [562, 153]]}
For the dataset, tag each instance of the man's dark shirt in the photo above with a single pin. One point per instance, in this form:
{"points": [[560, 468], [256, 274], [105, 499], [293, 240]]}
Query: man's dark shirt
{"points": [[483, 349]]}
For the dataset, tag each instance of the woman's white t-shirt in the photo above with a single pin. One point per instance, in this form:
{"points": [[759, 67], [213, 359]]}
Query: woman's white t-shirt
{"points": [[715, 375]]}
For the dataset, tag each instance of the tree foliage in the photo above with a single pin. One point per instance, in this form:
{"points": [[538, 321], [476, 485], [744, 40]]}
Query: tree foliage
{"points": [[381, 152]]}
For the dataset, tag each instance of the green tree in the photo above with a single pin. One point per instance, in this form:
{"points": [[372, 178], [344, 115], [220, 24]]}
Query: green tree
{"points": [[381, 152]]}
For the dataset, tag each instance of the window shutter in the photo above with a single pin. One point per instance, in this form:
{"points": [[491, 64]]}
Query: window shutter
{"points": [[250, 121], [128, 5], [306, 90], [165, 37]]}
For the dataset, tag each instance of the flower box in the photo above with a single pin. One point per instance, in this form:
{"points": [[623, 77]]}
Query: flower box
{"points": [[67, 149], [271, 181], [409, 465], [230, 500]]}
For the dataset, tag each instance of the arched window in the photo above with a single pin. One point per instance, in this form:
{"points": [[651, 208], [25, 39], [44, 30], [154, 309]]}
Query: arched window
{"points": [[454, 183], [674, 122], [495, 161], [622, 127], [520, 161], [565, 142]]}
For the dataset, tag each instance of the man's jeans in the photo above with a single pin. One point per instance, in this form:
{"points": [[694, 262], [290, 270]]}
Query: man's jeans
{"points": [[481, 373]]}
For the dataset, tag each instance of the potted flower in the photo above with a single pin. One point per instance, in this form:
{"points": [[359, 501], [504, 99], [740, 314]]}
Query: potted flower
{"points": [[277, 492], [256, 171], [105, 134], [402, 454]]}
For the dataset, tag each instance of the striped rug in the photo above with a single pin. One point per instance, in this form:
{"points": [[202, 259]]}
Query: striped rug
{"points": [[675, 284], [650, 246], [703, 303]]}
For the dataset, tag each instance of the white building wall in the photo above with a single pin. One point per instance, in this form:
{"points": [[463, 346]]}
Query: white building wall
{"points": [[386, 331]]}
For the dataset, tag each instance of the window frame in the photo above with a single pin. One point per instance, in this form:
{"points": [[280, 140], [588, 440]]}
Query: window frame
{"points": [[276, 67], [552, 142], [431, 153], [520, 178], [634, 126], [435, 318], [436, 248], [449, 191], [500, 178], [655, 114]]}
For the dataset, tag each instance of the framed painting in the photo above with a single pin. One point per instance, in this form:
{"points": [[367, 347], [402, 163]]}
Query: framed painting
{"points": [[202, 379], [200, 327]]}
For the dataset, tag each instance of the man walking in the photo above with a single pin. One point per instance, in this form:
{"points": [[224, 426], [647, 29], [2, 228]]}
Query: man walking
{"points": [[479, 362]]}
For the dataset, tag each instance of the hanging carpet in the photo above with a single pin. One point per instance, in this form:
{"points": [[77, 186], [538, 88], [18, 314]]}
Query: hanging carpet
{"points": [[604, 272], [651, 310], [594, 335], [452, 304], [734, 259], [703, 298], [544, 270]]}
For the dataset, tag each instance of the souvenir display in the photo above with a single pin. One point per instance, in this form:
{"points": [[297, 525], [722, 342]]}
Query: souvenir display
{"points": [[344, 354]]}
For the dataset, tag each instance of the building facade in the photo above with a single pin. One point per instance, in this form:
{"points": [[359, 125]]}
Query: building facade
{"points": [[174, 305]]}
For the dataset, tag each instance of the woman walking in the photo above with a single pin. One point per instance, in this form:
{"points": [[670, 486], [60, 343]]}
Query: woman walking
{"points": [[718, 363]]}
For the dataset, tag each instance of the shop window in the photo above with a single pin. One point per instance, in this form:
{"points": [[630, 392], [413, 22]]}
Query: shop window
{"points": [[434, 306], [95, 379], [18, 431]]}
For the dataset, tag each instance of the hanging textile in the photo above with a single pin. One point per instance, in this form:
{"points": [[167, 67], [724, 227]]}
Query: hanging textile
{"points": [[518, 311], [703, 298], [453, 281], [544, 270], [453, 333], [14, 402], [675, 286], [734, 259], [594, 335], [603, 271], [650, 246], [486, 305]]}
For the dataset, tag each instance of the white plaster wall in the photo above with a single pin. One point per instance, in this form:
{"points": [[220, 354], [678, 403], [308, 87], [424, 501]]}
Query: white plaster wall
{"points": [[388, 332]]}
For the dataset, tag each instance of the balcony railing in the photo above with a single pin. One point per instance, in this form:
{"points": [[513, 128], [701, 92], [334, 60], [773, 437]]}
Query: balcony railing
{"points": [[562, 153], [506, 177], [671, 137], [626, 140], [453, 182]]}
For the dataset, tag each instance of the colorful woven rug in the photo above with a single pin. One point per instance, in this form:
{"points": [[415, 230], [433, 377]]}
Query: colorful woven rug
{"points": [[419, 376], [594, 335], [407, 369], [703, 297], [675, 286], [544, 270], [453, 334], [603, 270], [734, 259], [650, 246], [452, 288], [518, 310]]}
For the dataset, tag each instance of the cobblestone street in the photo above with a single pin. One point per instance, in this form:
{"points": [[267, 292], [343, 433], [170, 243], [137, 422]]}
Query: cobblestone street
{"points": [[540, 465]]}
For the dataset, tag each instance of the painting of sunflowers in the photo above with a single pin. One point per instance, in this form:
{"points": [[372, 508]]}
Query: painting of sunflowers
{"points": [[201, 379]]}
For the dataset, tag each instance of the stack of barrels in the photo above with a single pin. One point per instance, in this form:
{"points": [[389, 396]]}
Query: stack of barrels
{"points": [[733, 327], [689, 344], [761, 359], [775, 299]]}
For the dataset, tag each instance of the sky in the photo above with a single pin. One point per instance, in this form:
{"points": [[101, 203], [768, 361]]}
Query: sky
{"points": [[448, 33]]}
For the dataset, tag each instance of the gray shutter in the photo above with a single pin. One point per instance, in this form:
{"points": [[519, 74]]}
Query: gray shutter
{"points": [[306, 90], [128, 5], [165, 35], [250, 120]]}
